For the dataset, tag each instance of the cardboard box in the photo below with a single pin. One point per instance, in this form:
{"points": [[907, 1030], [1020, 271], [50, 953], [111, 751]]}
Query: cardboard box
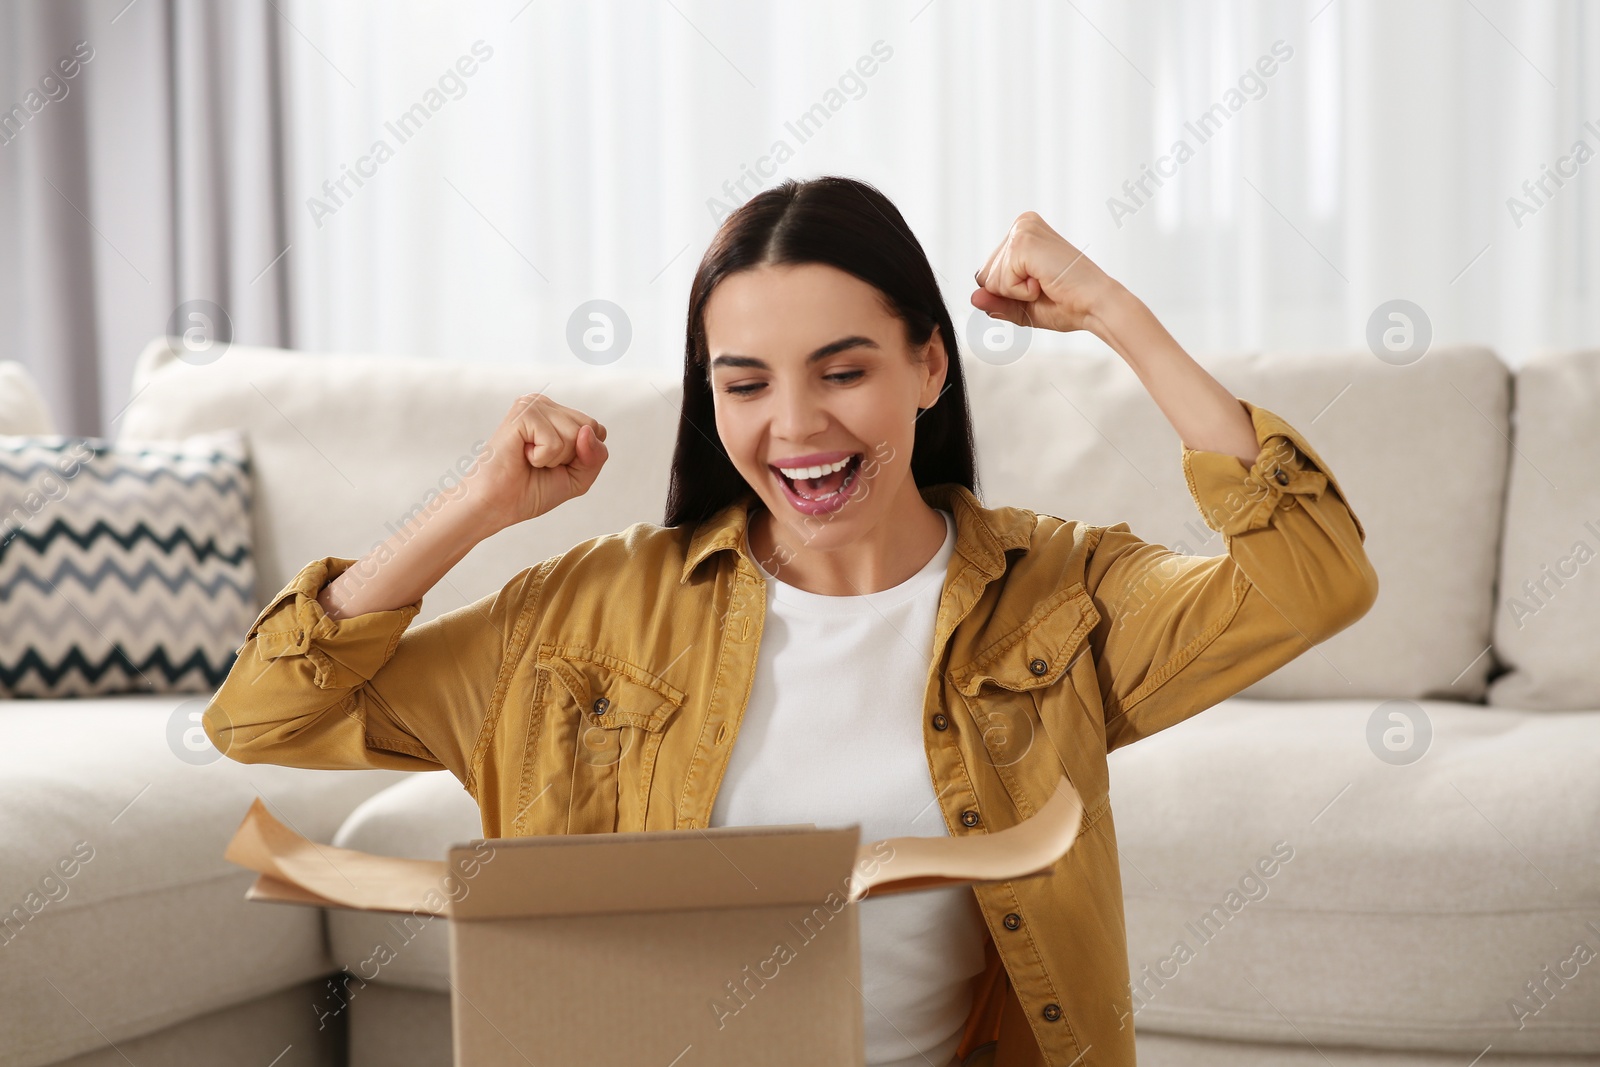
{"points": [[724, 946]]}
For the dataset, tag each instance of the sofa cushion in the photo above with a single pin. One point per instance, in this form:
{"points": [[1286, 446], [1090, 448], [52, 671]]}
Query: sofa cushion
{"points": [[118, 914], [419, 819], [1390, 874], [22, 410], [1169, 1050], [1549, 595], [123, 567], [1420, 450]]}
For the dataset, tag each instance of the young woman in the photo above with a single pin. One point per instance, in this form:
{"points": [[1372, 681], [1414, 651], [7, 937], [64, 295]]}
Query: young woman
{"points": [[829, 626]]}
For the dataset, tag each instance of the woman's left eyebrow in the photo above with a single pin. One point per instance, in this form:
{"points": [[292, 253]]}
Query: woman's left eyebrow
{"points": [[829, 349]]}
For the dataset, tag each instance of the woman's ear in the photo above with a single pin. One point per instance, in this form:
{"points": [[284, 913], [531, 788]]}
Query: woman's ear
{"points": [[935, 364]]}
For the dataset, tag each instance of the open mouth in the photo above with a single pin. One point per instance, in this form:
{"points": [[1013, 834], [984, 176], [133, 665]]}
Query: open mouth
{"points": [[829, 489]]}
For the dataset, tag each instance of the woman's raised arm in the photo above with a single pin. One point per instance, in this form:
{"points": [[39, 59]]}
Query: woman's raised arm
{"points": [[1177, 633], [329, 676], [538, 457], [1037, 278]]}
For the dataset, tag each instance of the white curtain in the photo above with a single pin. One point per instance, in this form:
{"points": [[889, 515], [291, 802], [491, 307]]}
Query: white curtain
{"points": [[1375, 161], [538, 155]]}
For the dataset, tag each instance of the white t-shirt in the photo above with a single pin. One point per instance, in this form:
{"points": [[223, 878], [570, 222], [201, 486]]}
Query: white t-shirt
{"points": [[832, 735]]}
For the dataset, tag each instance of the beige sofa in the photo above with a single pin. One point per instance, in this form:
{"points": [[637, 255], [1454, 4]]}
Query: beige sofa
{"points": [[1422, 786]]}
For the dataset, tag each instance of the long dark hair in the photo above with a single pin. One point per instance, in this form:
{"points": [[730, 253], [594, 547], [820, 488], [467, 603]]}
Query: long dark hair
{"points": [[849, 225]]}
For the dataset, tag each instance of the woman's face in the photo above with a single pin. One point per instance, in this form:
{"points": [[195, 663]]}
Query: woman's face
{"points": [[810, 370]]}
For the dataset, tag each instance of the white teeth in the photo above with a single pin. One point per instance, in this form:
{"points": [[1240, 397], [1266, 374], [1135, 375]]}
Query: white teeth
{"points": [[848, 479], [798, 473]]}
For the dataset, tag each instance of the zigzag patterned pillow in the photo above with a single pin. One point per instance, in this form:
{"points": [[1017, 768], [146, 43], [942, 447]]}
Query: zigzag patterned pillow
{"points": [[123, 567]]}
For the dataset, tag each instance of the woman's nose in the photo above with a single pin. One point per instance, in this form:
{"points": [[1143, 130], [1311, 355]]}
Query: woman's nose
{"points": [[796, 415]]}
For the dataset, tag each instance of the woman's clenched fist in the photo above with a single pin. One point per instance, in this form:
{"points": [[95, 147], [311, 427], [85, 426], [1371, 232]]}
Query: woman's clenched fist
{"points": [[1035, 277], [540, 456]]}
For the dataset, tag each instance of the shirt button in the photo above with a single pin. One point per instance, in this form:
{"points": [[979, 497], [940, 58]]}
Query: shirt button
{"points": [[1038, 666], [1283, 479], [941, 721], [600, 705], [969, 818], [1012, 920], [1052, 1012]]}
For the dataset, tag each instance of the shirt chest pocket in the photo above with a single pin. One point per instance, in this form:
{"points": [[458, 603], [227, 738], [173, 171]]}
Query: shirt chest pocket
{"points": [[598, 725], [1033, 702]]}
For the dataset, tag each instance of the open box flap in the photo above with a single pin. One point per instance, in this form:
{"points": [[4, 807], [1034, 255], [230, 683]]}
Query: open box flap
{"points": [[584, 878], [1027, 848], [295, 870]]}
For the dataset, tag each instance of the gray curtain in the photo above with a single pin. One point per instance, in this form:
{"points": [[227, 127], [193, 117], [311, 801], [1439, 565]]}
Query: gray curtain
{"points": [[150, 177]]}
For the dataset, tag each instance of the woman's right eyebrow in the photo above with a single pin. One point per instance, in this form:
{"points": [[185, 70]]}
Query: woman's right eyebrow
{"points": [[831, 348]]}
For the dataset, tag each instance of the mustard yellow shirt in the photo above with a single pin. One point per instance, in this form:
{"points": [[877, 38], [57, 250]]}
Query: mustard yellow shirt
{"points": [[601, 690]]}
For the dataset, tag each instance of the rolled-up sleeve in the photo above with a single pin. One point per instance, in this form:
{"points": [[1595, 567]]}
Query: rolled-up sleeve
{"points": [[370, 690], [1178, 633]]}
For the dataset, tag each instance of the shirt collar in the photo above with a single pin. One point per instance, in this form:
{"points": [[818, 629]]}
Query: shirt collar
{"points": [[982, 534]]}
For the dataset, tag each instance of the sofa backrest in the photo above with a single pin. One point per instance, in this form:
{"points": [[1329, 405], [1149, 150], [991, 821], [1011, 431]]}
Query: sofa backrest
{"points": [[1547, 611], [22, 410], [344, 446], [1421, 450]]}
